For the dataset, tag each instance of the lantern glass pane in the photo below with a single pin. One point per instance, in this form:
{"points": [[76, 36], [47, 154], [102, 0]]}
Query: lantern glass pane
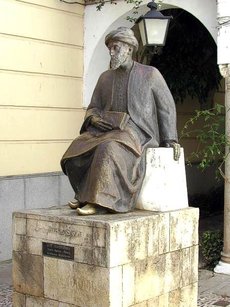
{"points": [[142, 31], [156, 30]]}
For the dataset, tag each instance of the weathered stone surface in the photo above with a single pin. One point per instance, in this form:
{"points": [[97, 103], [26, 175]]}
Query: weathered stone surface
{"points": [[142, 304], [126, 247], [34, 246], [163, 233], [149, 276], [153, 302], [28, 273], [59, 279], [32, 301], [156, 276], [160, 301], [19, 226], [181, 236], [63, 232], [128, 284], [163, 301], [152, 236], [99, 257], [37, 301], [172, 272], [115, 287], [184, 297], [99, 236], [185, 267], [28, 245], [19, 300], [194, 252], [20, 243], [83, 254], [120, 260], [62, 305], [104, 286], [72, 282]]}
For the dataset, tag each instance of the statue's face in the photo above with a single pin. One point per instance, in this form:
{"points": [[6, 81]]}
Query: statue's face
{"points": [[119, 53]]}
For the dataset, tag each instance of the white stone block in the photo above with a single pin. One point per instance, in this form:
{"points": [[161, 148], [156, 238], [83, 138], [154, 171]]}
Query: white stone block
{"points": [[164, 187], [163, 233], [59, 280], [19, 299], [128, 285], [222, 268], [183, 297], [181, 236], [20, 226]]}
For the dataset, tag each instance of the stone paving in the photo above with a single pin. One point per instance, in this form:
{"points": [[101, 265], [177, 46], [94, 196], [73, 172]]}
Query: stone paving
{"points": [[214, 289], [5, 284], [210, 299], [6, 296]]}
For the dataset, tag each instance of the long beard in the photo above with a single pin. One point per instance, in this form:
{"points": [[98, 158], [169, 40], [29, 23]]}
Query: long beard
{"points": [[115, 62]]}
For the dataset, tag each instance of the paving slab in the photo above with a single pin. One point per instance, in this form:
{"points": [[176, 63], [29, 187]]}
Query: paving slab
{"points": [[214, 289], [215, 283]]}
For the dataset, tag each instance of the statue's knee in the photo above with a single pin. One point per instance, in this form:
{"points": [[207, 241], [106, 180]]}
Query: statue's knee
{"points": [[107, 146]]}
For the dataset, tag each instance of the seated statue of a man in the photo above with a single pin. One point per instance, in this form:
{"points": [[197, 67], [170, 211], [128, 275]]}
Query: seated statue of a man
{"points": [[131, 109]]}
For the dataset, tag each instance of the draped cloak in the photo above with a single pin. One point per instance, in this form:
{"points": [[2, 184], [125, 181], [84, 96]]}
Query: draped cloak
{"points": [[107, 168]]}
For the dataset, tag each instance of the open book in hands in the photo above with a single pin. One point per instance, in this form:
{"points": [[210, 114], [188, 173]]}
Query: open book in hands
{"points": [[118, 120]]}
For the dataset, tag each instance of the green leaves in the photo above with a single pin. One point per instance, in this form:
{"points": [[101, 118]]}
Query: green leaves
{"points": [[136, 6], [211, 247], [211, 135]]}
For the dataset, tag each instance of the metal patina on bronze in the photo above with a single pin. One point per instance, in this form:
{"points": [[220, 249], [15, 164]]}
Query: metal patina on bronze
{"points": [[58, 251]]}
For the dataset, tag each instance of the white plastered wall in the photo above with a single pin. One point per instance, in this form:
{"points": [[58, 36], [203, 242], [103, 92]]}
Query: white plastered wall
{"points": [[98, 24]]}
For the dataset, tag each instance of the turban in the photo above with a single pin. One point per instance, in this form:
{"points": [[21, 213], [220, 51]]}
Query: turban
{"points": [[124, 35]]}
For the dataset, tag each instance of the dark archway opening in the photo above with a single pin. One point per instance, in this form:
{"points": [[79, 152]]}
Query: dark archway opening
{"points": [[189, 59]]}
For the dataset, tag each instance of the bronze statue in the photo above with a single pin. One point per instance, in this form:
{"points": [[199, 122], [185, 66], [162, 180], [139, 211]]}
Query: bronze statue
{"points": [[131, 109]]}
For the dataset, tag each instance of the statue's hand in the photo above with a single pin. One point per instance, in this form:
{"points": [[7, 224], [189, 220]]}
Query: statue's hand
{"points": [[175, 146], [101, 124]]}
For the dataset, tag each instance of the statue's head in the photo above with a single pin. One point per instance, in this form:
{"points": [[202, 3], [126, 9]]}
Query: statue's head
{"points": [[121, 44]]}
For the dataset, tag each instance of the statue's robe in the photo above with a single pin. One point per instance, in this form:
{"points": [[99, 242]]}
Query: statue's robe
{"points": [[107, 168]]}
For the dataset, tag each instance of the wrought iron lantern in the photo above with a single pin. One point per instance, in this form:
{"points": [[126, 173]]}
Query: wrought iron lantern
{"points": [[153, 26]]}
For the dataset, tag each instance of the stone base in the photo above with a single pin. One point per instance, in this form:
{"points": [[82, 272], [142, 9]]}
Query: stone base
{"points": [[140, 259], [222, 268]]}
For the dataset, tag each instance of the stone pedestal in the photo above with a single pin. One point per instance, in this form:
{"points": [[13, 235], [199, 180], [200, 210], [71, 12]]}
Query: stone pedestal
{"points": [[140, 259]]}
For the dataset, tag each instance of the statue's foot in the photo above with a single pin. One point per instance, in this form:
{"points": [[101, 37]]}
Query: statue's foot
{"points": [[74, 204], [90, 209]]}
